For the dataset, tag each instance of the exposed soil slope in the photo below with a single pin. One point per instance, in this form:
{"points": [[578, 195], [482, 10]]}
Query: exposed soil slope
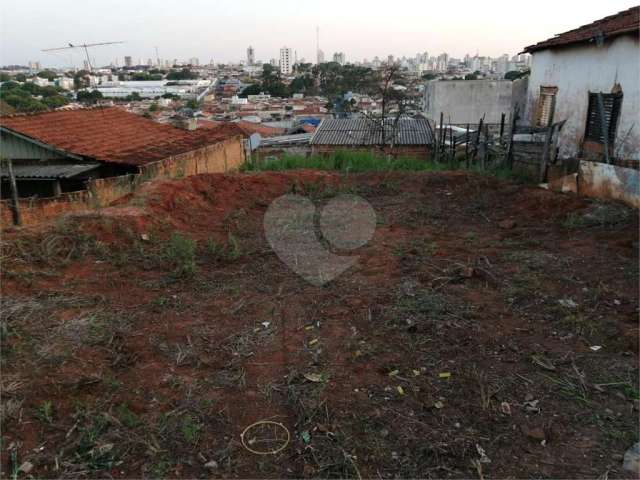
{"points": [[467, 331]]}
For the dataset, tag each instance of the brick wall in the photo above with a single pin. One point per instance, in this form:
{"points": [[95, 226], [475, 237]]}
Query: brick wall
{"points": [[220, 157]]}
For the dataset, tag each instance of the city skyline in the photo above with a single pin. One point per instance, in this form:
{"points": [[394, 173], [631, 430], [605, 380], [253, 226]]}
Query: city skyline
{"points": [[223, 32]]}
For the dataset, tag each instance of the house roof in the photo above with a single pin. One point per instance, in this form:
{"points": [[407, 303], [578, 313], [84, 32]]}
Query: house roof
{"points": [[622, 22], [48, 170], [247, 128], [364, 132], [111, 134]]}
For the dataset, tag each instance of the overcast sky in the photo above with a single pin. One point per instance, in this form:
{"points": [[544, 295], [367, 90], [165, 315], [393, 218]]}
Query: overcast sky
{"points": [[222, 30]]}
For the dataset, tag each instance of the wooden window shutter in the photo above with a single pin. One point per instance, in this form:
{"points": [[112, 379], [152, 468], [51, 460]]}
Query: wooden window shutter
{"points": [[612, 106], [546, 105]]}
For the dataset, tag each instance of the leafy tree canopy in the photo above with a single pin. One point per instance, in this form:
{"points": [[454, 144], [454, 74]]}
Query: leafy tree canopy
{"points": [[184, 74]]}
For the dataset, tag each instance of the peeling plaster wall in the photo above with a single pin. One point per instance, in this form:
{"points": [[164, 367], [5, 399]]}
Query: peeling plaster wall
{"points": [[576, 70]]}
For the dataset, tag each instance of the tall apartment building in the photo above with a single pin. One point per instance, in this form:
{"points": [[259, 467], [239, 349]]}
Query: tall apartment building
{"points": [[340, 57], [286, 61], [128, 62], [251, 56]]}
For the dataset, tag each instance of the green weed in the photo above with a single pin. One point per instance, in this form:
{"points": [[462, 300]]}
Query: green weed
{"points": [[180, 252]]}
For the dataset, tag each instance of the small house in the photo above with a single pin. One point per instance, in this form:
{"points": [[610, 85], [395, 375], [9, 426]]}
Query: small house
{"points": [[398, 137], [589, 78], [58, 152]]}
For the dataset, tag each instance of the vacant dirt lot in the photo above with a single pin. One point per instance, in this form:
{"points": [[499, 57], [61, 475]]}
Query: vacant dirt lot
{"points": [[488, 330]]}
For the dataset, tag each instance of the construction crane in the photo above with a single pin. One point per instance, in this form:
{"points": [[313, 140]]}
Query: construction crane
{"points": [[84, 46]]}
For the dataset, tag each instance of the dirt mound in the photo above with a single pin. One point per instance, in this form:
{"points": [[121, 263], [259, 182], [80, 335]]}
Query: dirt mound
{"points": [[480, 321]]}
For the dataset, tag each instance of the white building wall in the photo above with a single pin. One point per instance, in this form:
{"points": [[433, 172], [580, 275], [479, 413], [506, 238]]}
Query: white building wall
{"points": [[286, 61], [577, 70]]}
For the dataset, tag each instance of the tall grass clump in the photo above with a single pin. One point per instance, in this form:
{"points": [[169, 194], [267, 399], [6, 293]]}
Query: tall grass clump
{"points": [[344, 161], [180, 251]]}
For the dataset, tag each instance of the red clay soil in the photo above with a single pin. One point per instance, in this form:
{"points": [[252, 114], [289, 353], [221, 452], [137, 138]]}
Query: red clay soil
{"points": [[488, 330]]}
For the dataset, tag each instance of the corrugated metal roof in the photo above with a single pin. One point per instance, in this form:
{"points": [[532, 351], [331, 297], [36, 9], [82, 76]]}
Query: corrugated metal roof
{"points": [[363, 131], [297, 139], [48, 170]]}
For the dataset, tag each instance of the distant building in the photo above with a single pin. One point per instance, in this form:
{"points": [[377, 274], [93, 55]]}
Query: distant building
{"points": [[467, 101], [65, 83], [128, 62], [319, 57], [251, 56], [286, 61], [576, 73], [340, 57]]}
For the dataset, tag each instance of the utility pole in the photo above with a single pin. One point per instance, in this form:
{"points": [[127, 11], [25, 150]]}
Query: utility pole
{"points": [[15, 207]]}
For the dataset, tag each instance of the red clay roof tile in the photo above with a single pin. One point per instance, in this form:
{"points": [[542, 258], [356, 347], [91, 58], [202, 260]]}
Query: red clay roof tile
{"points": [[112, 134], [622, 22]]}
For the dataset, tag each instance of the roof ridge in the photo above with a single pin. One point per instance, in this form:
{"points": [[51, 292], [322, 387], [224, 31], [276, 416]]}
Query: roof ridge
{"points": [[48, 112], [573, 35]]}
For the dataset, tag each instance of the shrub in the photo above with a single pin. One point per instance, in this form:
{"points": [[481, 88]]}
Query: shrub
{"points": [[181, 253]]}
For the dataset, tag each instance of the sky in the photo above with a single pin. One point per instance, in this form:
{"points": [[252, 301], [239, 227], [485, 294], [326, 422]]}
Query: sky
{"points": [[222, 30]]}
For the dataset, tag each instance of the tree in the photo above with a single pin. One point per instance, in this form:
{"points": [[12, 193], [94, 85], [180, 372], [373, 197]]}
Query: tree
{"points": [[133, 97], [29, 97], [88, 97], [154, 107], [398, 97], [184, 74], [272, 83], [515, 74], [254, 89], [143, 76], [193, 105], [48, 74], [471, 76]]}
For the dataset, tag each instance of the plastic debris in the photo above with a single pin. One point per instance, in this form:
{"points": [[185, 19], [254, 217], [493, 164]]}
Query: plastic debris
{"points": [[26, 467], [306, 436], [595, 348], [316, 377], [313, 342], [532, 406], [445, 375], [400, 390], [631, 460], [483, 455], [543, 361], [438, 405], [567, 303], [505, 408], [393, 373]]}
